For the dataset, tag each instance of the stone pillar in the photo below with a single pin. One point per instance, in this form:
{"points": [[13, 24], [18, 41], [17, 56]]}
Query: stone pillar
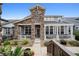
{"points": [[42, 31], [33, 31], [16, 31], [57, 34]]}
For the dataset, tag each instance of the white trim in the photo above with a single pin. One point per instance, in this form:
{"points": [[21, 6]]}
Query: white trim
{"points": [[58, 24]]}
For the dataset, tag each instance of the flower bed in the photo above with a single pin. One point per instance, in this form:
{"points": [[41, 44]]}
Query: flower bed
{"points": [[23, 42], [7, 49]]}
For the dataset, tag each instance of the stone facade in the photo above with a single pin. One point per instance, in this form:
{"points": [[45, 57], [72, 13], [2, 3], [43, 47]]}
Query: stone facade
{"points": [[36, 18]]}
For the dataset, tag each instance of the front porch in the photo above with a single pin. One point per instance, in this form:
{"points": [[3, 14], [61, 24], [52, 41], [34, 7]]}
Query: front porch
{"points": [[29, 31], [58, 31]]}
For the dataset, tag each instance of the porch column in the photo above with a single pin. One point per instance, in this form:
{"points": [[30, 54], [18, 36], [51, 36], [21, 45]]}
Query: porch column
{"points": [[60, 30], [57, 34], [71, 32], [64, 30], [53, 30], [44, 32], [68, 30], [49, 30]]}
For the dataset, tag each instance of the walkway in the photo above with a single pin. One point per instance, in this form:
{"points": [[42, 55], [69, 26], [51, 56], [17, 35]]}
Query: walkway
{"points": [[39, 51]]}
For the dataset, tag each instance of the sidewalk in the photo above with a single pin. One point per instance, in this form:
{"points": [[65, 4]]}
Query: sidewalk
{"points": [[39, 51]]}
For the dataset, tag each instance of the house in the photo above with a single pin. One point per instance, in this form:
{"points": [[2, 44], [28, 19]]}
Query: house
{"points": [[39, 25]]}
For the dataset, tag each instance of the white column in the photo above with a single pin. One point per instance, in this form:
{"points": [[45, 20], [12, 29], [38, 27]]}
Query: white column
{"points": [[49, 30], [57, 34], [71, 32], [64, 30], [67, 30], [60, 30], [44, 32], [53, 30]]}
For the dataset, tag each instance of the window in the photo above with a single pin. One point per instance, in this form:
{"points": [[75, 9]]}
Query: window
{"points": [[28, 30], [51, 29], [47, 30], [7, 31]]}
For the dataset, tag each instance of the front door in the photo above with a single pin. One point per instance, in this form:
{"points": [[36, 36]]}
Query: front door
{"points": [[37, 31]]}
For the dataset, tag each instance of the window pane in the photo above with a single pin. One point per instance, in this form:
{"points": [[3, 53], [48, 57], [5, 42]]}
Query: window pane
{"points": [[47, 30], [28, 30], [51, 29]]}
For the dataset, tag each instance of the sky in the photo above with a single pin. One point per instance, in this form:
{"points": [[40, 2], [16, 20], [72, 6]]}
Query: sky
{"points": [[20, 10]]}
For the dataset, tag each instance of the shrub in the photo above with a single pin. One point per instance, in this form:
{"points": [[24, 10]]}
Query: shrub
{"points": [[74, 43], [18, 51], [6, 43], [77, 54], [77, 38], [24, 42], [28, 52], [45, 43], [7, 51], [14, 42], [63, 42]]}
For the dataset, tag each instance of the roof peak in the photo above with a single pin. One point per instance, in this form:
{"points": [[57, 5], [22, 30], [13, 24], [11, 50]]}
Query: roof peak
{"points": [[37, 6]]}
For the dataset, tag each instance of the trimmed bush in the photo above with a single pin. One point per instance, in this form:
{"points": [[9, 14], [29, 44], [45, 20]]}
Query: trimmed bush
{"points": [[28, 52], [45, 43], [63, 42], [6, 43], [14, 42], [24, 42]]}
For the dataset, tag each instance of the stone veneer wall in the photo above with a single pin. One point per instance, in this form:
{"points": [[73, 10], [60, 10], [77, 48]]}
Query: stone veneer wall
{"points": [[42, 28]]}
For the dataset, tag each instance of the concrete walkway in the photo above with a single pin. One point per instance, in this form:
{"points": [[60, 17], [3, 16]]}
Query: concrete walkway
{"points": [[39, 51]]}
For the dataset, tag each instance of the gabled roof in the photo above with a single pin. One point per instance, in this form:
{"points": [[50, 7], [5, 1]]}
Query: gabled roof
{"points": [[9, 24], [23, 19]]}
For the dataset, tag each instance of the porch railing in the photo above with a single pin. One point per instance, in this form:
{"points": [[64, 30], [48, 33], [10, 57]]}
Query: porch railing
{"points": [[60, 36], [24, 36]]}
